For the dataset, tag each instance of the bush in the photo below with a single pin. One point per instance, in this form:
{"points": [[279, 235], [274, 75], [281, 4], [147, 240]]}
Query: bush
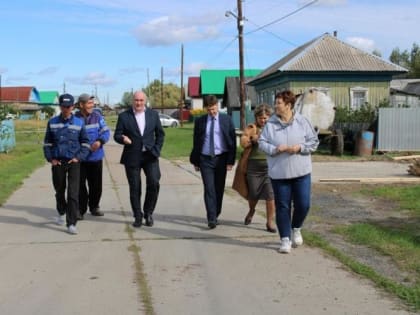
{"points": [[367, 113]]}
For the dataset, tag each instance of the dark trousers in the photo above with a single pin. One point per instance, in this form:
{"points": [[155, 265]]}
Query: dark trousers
{"points": [[213, 173], [90, 195], [67, 176], [150, 166], [297, 190]]}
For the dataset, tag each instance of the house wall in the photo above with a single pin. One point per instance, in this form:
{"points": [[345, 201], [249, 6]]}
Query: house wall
{"points": [[338, 91], [399, 100], [196, 103]]}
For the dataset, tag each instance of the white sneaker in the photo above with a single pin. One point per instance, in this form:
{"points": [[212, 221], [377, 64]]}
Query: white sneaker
{"points": [[297, 238], [72, 229], [60, 219], [285, 245]]}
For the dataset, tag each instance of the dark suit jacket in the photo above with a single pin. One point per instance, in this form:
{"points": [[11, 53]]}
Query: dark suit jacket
{"points": [[152, 138], [228, 134]]}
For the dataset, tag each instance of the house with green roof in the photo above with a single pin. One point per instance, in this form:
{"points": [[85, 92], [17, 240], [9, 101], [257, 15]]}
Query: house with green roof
{"points": [[350, 76], [49, 98], [213, 81]]}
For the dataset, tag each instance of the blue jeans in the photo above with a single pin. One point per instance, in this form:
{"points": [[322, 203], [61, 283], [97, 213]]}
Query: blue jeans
{"points": [[297, 190]]}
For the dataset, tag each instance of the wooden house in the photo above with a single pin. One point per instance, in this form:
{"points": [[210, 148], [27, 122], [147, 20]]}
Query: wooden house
{"points": [[350, 76]]}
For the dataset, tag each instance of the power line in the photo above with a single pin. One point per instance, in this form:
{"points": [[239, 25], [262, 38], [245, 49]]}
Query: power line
{"points": [[282, 18]]}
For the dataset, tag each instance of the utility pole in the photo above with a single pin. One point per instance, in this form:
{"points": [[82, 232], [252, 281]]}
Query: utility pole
{"points": [[149, 96], [161, 89], [240, 22], [181, 102]]}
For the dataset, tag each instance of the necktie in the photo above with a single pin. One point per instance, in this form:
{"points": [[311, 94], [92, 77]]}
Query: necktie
{"points": [[212, 137]]}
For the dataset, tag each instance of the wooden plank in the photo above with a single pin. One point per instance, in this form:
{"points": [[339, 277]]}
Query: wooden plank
{"points": [[372, 180], [406, 157]]}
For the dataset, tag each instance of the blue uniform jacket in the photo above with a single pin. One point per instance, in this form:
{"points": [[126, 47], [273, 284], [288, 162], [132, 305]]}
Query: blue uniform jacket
{"points": [[66, 139], [97, 130]]}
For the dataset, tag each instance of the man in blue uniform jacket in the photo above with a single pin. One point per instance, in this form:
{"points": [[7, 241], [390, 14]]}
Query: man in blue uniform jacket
{"points": [[91, 168], [66, 143]]}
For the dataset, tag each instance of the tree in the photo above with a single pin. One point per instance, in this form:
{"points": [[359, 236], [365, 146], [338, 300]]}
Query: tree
{"points": [[171, 94], [377, 52], [127, 100], [409, 60]]}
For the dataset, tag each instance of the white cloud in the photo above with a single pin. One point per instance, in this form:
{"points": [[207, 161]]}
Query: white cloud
{"points": [[48, 71], [131, 70], [194, 68], [93, 78], [365, 44], [12, 79], [168, 30]]}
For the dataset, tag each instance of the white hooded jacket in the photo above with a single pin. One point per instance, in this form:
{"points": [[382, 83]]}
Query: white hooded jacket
{"points": [[299, 131]]}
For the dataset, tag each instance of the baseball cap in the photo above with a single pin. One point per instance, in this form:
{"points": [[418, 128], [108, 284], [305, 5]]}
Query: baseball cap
{"points": [[66, 100], [84, 98]]}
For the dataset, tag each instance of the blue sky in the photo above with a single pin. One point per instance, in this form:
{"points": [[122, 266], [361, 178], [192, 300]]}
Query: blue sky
{"points": [[109, 46]]}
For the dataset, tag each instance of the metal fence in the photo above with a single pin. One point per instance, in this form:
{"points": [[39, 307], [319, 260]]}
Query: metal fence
{"points": [[398, 129]]}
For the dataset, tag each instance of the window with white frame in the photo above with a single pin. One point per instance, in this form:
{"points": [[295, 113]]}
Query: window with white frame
{"points": [[358, 97]]}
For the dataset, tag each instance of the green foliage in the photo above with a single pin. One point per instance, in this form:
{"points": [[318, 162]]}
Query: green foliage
{"points": [[50, 111], [408, 59], [127, 100], [5, 109], [367, 113], [171, 94]]}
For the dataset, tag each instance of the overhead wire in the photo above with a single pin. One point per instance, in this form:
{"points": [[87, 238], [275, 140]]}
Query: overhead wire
{"points": [[282, 18]]}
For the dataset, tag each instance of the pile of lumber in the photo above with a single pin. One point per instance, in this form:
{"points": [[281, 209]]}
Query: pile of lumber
{"points": [[414, 168]]}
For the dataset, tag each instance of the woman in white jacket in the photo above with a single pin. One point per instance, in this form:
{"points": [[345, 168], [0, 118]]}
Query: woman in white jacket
{"points": [[288, 139]]}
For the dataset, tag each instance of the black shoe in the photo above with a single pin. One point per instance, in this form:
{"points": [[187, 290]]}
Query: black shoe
{"points": [[137, 222], [97, 213], [212, 225], [149, 220], [270, 229]]}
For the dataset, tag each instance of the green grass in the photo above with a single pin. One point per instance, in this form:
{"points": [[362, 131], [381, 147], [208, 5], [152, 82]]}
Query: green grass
{"points": [[401, 245], [411, 295], [16, 166], [27, 156], [178, 142], [406, 196]]}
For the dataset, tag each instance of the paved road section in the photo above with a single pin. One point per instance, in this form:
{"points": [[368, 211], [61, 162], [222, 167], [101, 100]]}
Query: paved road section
{"points": [[176, 267]]}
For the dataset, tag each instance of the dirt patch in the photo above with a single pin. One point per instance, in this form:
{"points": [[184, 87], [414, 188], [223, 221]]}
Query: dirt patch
{"points": [[343, 204]]}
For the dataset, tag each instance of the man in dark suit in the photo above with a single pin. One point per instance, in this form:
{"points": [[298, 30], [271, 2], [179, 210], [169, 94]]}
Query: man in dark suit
{"points": [[140, 131], [213, 154]]}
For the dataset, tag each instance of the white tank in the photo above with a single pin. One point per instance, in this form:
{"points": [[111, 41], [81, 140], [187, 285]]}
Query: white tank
{"points": [[318, 108]]}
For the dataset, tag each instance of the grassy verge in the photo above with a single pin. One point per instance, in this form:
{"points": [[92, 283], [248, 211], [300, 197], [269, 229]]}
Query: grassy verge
{"points": [[178, 142], [23, 159], [397, 238], [411, 295]]}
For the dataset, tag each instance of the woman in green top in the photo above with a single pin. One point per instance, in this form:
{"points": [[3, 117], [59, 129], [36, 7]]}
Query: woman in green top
{"points": [[259, 184]]}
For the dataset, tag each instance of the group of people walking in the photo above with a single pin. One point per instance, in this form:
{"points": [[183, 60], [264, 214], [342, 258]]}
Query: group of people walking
{"points": [[278, 161]]}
